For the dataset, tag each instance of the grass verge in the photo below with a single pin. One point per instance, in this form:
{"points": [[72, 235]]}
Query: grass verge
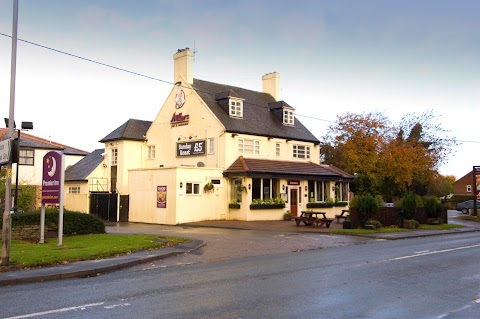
{"points": [[361, 231], [470, 217], [24, 254]]}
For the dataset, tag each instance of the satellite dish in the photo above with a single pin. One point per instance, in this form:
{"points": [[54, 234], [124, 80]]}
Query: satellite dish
{"points": [[200, 164]]}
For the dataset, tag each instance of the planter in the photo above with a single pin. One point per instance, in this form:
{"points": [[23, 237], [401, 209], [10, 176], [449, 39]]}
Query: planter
{"points": [[237, 206], [326, 205], [266, 206]]}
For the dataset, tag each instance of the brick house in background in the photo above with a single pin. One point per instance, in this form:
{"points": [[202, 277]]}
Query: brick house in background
{"points": [[464, 185]]}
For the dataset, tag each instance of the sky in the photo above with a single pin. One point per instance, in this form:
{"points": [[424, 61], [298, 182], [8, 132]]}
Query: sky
{"points": [[334, 57]]}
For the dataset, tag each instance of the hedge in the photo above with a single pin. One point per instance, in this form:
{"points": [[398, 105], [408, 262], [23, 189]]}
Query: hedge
{"points": [[74, 223]]}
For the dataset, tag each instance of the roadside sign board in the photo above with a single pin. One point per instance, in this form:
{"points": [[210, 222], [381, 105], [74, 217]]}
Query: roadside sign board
{"points": [[51, 178], [4, 151]]}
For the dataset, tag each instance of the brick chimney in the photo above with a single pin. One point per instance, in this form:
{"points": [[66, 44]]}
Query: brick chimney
{"points": [[182, 66], [271, 84]]}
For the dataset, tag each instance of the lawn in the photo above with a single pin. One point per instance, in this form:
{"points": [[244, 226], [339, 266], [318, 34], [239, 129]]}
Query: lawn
{"points": [[24, 254]]}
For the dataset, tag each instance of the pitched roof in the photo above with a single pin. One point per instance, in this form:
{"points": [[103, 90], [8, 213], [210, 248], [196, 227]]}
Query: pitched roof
{"points": [[133, 130], [31, 141], [258, 118], [80, 170], [289, 169]]}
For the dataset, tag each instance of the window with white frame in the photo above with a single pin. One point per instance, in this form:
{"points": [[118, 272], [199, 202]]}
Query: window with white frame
{"points": [[301, 151], [151, 152], [341, 191], [74, 190], [288, 117], [247, 146], [211, 145], [277, 149], [114, 158], [236, 108], [469, 188], [26, 157], [192, 188], [265, 188]]}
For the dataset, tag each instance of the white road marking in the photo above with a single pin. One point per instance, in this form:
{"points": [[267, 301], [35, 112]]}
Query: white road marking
{"points": [[432, 252], [43, 313], [117, 305]]}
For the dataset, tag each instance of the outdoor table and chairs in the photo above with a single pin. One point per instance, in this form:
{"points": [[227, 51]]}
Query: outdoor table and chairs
{"points": [[311, 218]]}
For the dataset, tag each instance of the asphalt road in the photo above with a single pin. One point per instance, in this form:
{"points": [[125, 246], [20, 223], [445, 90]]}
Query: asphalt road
{"points": [[431, 277]]}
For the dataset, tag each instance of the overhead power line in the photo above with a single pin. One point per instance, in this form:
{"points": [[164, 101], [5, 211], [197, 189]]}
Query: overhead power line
{"points": [[89, 60], [157, 79]]}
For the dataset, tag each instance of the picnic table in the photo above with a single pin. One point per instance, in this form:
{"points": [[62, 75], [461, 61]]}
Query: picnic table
{"points": [[342, 215], [310, 218]]}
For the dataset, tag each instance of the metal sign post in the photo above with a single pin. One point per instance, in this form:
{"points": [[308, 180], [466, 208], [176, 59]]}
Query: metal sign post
{"points": [[6, 231]]}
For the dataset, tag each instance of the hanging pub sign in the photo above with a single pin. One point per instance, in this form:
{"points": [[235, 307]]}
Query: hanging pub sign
{"points": [[191, 148]]}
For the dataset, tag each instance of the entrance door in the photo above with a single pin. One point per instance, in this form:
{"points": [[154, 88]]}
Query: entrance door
{"points": [[294, 201]]}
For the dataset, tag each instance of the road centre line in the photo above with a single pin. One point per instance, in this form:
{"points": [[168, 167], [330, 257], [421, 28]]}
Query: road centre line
{"points": [[431, 252], [43, 313]]}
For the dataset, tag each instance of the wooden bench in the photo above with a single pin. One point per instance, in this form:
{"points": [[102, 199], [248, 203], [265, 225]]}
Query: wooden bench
{"points": [[324, 221], [342, 215], [306, 220]]}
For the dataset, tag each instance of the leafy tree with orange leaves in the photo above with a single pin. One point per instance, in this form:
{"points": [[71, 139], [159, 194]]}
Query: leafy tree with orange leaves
{"points": [[385, 160]]}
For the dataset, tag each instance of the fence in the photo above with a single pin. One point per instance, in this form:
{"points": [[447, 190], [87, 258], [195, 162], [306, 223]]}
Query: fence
{"points": [[391, 216]]}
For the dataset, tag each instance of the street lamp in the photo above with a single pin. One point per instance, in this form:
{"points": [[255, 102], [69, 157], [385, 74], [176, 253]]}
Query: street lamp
{"points": [[24, 126]]}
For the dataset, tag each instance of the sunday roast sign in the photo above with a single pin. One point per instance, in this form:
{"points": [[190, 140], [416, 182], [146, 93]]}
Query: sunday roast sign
{"points": [[51, 178]]}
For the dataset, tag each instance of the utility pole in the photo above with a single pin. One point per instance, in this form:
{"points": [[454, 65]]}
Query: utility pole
{"points": [[6, 231]]}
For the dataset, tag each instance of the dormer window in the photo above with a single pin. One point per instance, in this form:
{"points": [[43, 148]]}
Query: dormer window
{"points": [[236, 108], [288, 117]]}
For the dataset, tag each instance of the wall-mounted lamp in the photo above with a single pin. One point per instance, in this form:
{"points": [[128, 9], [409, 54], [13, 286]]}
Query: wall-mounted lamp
{"points": [[283, 187], [333, 188], [249, 186], [104, 165], [181, 184], [306, 188]]}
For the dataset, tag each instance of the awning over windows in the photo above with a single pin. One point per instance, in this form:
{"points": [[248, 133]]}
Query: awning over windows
{"points": [[285, 169]]}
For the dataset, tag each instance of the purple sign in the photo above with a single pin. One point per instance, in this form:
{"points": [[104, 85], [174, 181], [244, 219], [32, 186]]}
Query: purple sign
{"points": [[161, 196], [52, 173]]}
